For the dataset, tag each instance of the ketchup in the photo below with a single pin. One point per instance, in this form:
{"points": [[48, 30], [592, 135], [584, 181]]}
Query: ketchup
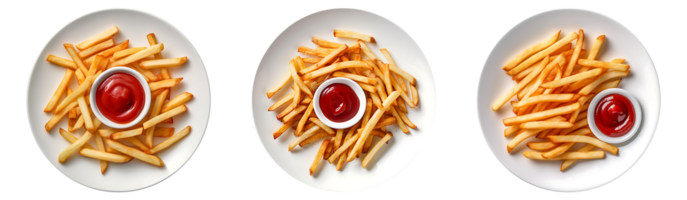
{"points": [[339, 103], [614, 115], [120, 98]]}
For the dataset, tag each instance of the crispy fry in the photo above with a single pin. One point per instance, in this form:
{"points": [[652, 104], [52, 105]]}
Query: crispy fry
{"points": [[71, 138], [355, 77], [354, 35], [105, 157], [319, 135], [335, 67], [98, 38], [151, 159], [544, 98], [532, 50], [164, 132], [541, 115], [606, 85], [305, 135], [60, 91], [569, 162], [159, 118], [170, 141], [376, 148], [604, 77], [96, 48], [322, 125], [545, 125], [86, 114], [568, 155], [572, 79], [168, 83], [324, 43], [74, 147], [585, 139], [318, 157], [565, 146], [576, 54], [371, 124], [513, 91], [86, 84], [57, 116], [62, 62], [542, 54], [140, 55], [126, 134], [305, 117], [163, 63], [602, 64], [343, 148], [75, 57]]}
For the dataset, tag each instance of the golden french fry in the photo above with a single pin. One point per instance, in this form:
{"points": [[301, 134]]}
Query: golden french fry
{"points": [[104, 156], [576, 53], [177, 101], [71, 138], [96, 48], [159, 118], [336, 67], [86, 84], [74, 146], [151, 159], [75, 57], [60, 91], [101, 148], [324, 43], [86, 114], [606, 85], [566, 156], [358, 78], [376, 148], [285, 79], [98, 38], [297, 80], [532, 50], [322, 125], [304, 136], [62, 62], [572, 79], [541, 115], [596, 47], [136, 142], [163, 132], [126, 52], [58, 116], [513, 91], [371, 124], [545, 125], [170, 141], [569, 162], [604, 77], [544, 53], [585, 139], [126, 134], [544, 98], [163, 63], [565, 146], [140, 55], [326, 60], [343, 148], [157, 106], [318, 157], [603, 64], [167, 83], [354, 35]]}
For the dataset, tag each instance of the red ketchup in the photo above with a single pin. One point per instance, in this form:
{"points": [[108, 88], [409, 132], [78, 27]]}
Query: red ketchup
{"points": [[339, 103], [614, 115], [120, 98]]}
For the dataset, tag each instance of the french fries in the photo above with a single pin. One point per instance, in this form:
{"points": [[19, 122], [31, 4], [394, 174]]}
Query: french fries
{"points": [[163, 63], [560, 97]]}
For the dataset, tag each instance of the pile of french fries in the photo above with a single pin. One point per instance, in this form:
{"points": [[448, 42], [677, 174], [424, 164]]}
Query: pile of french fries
{"points": [[96, 55], [382, 82], [555, 84]]}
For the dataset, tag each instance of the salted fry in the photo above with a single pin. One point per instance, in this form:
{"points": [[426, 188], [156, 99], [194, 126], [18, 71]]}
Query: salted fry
{"points": [[544, 98], [371, 123], [163, 132], [572, 79], [71, 138], [319, 156], [60, 91], [98, 38], [354, 35], [603, 64], [544, 53], [104, 156], [304, 136], [532, 50], [74, 147], [569, 162], [157, 119], [321, 125], [513, 91], [376, 148], [140, 55], [168, 83], [170, 141], [86, 114], [585, 139], [163, 63], [604, 77], [58, 116], [62, 62], [86, 84], [541, 115], [566, 156], [96, 48], [545, 125], [151, 159], [126, 134]]}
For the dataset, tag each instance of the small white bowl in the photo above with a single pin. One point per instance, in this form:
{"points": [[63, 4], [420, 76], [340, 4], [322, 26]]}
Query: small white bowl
{"points": [[358, 92], [101, 78], [592, 122]]}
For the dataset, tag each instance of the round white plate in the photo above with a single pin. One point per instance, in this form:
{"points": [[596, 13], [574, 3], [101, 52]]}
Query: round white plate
{"points": [[133, 25], [642, 83], [392, 158]]}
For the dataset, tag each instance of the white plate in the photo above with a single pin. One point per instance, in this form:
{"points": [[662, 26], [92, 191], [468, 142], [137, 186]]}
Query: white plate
{"points": [[392, 158], [133, 25], [642, 83]]}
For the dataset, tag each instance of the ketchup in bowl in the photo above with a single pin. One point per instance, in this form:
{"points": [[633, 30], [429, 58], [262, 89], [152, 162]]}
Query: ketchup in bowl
{"points": [[614, 115], [339, 103], [120, 98]]}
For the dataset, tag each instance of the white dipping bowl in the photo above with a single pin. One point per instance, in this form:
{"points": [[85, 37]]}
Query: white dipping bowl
{"points": [[592, 122], [101, 78], [358, 92]]}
